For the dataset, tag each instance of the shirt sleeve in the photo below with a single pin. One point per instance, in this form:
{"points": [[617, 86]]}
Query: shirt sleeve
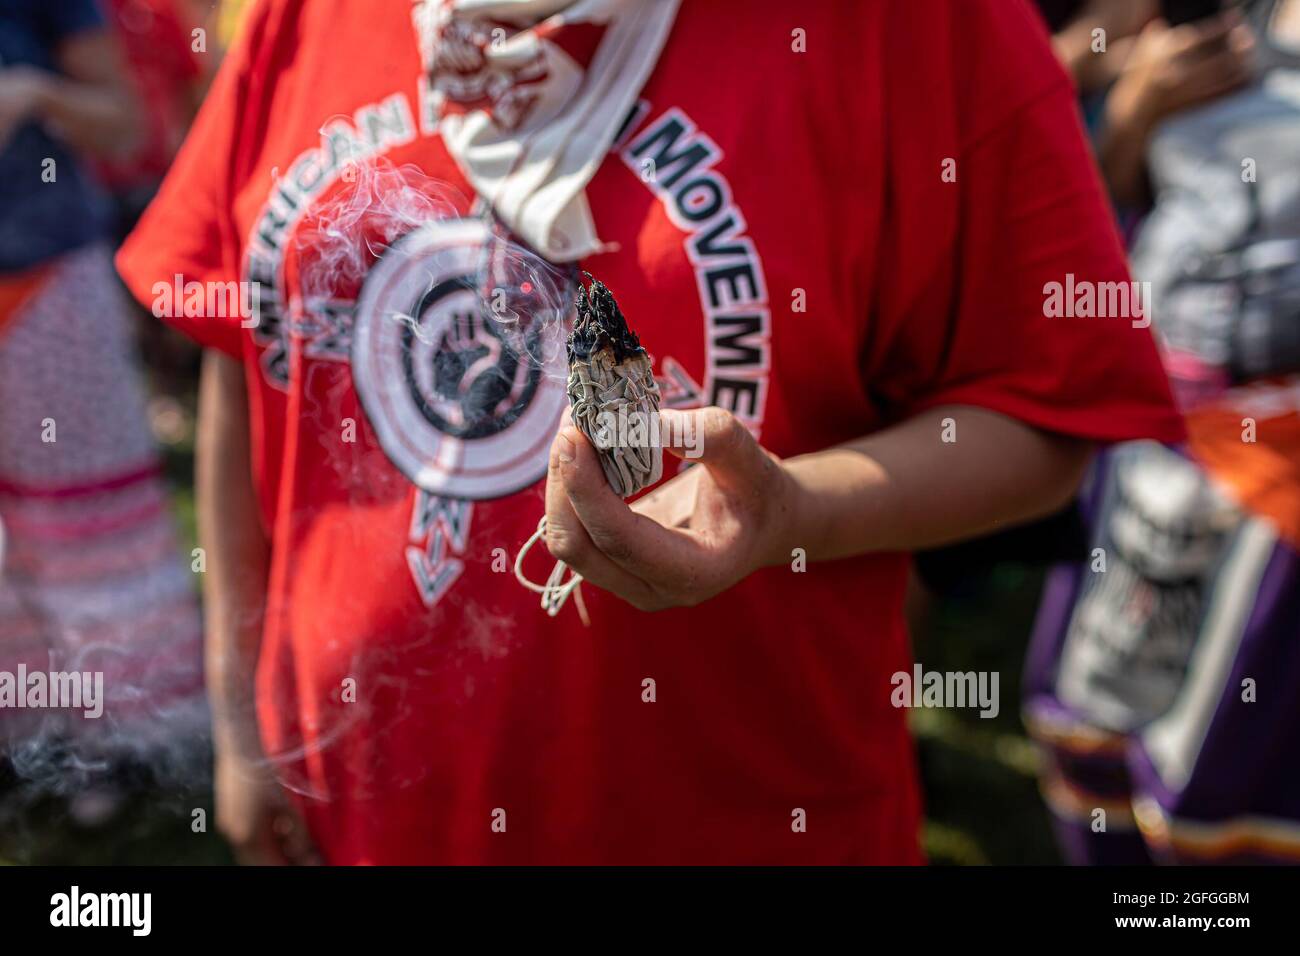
{"points": [[1021, 231], [188, 233]]}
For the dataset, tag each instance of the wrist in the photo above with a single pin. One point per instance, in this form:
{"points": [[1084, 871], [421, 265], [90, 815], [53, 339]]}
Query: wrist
{"points": [[235, 736], [36, 90], [232, 705], [1131, 109], [1073, 47], [785, 521]]}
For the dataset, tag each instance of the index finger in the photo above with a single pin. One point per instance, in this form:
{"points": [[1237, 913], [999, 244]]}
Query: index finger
{"points": [[633, 541], [568, 541]]}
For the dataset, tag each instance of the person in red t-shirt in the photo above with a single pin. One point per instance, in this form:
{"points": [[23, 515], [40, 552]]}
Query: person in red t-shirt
{"points": [[835, 230]]}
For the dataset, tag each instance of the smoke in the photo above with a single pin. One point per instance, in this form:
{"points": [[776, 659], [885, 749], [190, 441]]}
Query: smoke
{"points": [[64, 769], [374, 213], [470, 373], [376, 204], [379, 212]]}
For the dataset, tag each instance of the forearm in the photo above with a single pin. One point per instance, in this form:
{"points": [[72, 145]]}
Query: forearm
{"points": [[87, 101], [1122, 150], [237, 552], [1073, 46], [905, 488], [96, 119]]}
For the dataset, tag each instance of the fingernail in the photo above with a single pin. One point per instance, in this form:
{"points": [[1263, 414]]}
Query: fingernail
{"points": [[564, 447]]}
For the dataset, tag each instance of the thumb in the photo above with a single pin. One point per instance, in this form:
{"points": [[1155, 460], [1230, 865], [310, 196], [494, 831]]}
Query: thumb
{"points": [[715, 437]]}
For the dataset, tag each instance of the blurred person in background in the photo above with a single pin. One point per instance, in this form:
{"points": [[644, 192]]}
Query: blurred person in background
{"points": [[92, 579], [169, 63], [170, 54], [1166, 70], [1132, 69], [1162, 672]]}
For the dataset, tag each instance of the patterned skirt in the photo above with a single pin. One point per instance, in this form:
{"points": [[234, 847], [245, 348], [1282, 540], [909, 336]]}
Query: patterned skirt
{"points": [[92, 579]]}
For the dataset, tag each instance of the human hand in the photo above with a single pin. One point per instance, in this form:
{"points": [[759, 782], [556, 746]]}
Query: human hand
{"points": [[1095, 67], [20, 95], [254, 814], [1175, 68], [692, 537], [1119, 18]]}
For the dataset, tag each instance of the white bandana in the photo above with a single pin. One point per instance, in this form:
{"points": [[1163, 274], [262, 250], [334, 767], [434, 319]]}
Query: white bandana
{"points": [[530, 95]]}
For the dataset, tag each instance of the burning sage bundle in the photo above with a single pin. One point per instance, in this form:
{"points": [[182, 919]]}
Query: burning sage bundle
{"points": [[615, 403], [613, 393]]}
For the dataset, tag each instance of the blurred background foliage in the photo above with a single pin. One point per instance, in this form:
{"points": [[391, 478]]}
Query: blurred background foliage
{"points": [[981, 793]]}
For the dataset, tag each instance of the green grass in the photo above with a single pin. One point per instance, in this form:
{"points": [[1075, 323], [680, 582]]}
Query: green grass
{"points": [[982, 801]]}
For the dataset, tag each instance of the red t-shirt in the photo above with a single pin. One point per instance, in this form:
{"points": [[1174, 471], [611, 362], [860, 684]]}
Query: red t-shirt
{"points": [[799, 258]]}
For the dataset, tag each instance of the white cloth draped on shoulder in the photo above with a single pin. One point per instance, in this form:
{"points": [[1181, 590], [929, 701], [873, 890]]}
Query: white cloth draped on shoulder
{"points": [[530, 95]]}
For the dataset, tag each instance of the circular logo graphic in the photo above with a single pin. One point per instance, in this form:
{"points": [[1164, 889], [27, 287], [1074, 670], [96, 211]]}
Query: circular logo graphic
{"points": [[461, 403]]}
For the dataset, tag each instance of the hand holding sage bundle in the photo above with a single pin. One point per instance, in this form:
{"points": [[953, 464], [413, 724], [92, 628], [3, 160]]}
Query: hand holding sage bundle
{"points": [[614, 401]]}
